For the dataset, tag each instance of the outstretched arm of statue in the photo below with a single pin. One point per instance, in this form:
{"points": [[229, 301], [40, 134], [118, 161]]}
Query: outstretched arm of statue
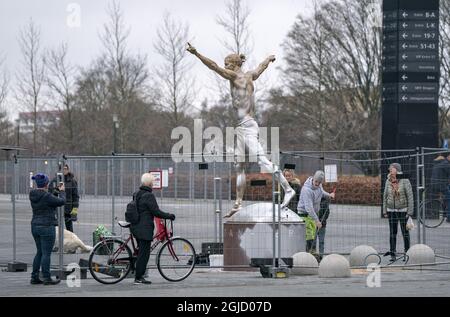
{"points": [[262, 67], [225, 73]]}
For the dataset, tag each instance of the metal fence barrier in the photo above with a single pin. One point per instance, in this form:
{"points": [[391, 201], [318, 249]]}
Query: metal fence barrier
{"points": [[200, 194]]}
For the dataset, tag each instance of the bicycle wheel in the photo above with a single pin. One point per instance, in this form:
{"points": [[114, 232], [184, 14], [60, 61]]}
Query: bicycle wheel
{"points": [[110, 261], [434, 214], [176, 259]]}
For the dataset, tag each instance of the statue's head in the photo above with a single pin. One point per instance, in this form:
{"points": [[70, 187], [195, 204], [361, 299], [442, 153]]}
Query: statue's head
{"points": [[234, 61]]}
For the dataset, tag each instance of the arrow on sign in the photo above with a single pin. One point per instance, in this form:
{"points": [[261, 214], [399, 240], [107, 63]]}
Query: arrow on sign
{"points": [[404, 88], [404, 35], [404, 56], [405, 15], [404, 77], [405, 46], [404, 98], [404, 67], [405, 25]]}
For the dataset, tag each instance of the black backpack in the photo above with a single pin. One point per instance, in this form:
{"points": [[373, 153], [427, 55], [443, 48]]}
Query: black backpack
{"points": [[132, 213]]}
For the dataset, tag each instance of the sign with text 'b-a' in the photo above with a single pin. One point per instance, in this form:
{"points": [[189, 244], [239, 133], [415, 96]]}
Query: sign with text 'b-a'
{"points": [[410, 74]]}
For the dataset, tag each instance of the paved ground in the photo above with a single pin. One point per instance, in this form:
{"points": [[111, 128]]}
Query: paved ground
{"points": [[348, 227], [204, 283]]}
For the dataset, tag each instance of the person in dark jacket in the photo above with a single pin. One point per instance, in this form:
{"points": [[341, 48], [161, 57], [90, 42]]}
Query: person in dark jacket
{"points": [[324, 213], [143, 231], [43, 224], [440, 181], [295, 183], [72, 197]]}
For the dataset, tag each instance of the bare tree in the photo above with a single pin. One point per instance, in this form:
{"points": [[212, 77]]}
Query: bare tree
{"points": [[92, 101], [127, 73], [332, 77], [4, 81], [177, 88], [356, 41], [308, 74], [31, 78], [235, 23], [5, 124], [61, 81]]}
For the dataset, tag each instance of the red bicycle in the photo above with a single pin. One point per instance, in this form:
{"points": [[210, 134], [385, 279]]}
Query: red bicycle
{"points": [[111, 260]]}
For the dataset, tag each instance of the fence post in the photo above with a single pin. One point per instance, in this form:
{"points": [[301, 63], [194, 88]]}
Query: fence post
{"points": [[279, 218], [113, 194], [162, 179], [423, 196], [134, 174], [418, 188], [190, 181], [61, 225], [220, 212], [95, 178], [13, 200], [5, 169], [273, 219], [205, 183], [176, 180], [83, 177], [229, 181], [215, 208], [108, 177], [121, 177]]}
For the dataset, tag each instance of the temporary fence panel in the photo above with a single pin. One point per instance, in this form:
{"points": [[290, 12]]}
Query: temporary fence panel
{"points": [[200, 194]]}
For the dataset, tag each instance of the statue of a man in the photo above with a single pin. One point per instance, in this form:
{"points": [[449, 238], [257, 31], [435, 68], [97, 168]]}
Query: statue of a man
{"points": [[247, 130]]}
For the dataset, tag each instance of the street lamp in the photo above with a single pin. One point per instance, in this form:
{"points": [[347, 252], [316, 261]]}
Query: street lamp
{"points": [[18, 132], [115, 127]]}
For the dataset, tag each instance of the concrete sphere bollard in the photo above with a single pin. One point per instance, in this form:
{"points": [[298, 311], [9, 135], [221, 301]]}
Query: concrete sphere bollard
{"points": [[420, 254], [304, 263], [334, 265], [361, 256]]}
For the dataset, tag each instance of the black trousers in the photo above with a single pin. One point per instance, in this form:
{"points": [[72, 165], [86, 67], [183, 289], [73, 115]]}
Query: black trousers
{"points": [[69, 224], [394, 219], [142, 258]]}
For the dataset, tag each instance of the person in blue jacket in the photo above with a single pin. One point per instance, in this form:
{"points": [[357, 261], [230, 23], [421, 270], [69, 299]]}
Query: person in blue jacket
{"points": [[43, 225]]}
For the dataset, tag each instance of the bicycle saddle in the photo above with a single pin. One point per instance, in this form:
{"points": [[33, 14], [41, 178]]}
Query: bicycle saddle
{"points": [[124, 224]]}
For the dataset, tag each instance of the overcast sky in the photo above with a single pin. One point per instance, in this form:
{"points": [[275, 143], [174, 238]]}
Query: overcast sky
{"points": [[270, 21]]}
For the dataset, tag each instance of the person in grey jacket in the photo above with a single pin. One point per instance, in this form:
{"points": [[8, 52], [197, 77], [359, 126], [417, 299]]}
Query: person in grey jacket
{"points": [[398, 205], [309, 206]]}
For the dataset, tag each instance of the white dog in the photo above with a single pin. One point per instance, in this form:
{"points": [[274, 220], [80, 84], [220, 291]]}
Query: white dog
{"points": [[72, 243]]}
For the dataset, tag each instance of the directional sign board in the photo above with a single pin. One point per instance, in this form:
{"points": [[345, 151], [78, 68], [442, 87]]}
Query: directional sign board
{"points": [[411, 46], [410, 60]]}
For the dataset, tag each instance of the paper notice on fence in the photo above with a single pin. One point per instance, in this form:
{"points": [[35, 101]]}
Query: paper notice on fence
{"points": [[331, 173], [157, 178], [165, 178]]}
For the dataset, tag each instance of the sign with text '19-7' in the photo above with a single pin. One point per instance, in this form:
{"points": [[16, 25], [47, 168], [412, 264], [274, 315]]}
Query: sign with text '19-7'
{"points": [[410, 66]]}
